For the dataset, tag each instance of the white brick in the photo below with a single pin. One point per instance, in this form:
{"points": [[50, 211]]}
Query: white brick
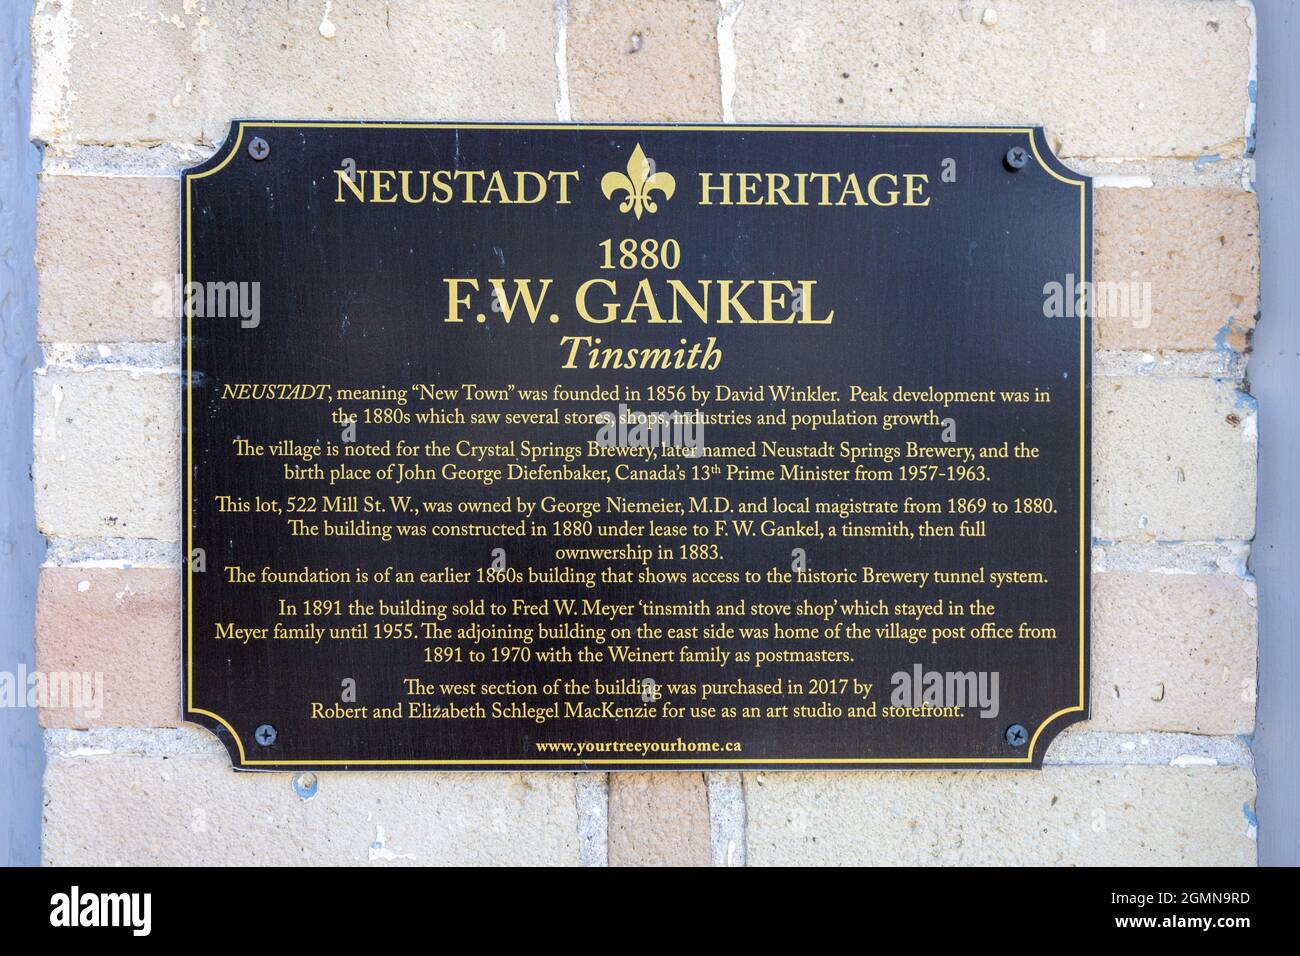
{"points": [[134, 72], [193, 810], [107, 453], [1173, 459], [1061, 816], [1112, 78]]}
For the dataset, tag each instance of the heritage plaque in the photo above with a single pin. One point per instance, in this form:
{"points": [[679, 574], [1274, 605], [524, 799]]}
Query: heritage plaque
{"points": [[627, 447]]}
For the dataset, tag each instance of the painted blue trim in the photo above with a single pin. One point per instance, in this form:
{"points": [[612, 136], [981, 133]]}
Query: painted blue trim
{"points": [[22, 549], [1274, 373]]}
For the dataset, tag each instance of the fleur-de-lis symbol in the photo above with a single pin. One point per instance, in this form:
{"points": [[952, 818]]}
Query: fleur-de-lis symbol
{"points": [[639, 182]]}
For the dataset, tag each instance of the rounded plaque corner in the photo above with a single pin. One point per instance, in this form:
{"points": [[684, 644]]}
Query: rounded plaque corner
{"points": [[225, 734], [223, 154], [1048, 159], [1052, 728]]}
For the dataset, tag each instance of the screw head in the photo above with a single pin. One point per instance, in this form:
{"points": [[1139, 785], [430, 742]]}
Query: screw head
{"points": [[259, 148], [264, 735], [1017, 736], [1017, 158]]}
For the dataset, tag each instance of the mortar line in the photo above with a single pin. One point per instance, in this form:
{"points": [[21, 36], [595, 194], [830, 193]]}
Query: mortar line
{"points": [[593, 818], [1075, 748], [563, 103], [728, 818], [728, 10]]}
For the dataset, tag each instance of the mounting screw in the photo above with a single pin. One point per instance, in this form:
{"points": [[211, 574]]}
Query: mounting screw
{"points": [[1017, 158], [1017, 736], [258, 148], [264, 735]]}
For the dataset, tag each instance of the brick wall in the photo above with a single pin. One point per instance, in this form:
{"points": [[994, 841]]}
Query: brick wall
{"points": [[1152, 97]]}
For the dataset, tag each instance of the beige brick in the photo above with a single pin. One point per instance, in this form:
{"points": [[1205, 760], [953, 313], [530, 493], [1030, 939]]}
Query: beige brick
{"points": [[121, 627], [127, 72], [193, 810], [1173, 652], [658, 819], [652, 61], [1173, 459], [1196, 249], [1064, 815], [106, 259], [1112, 78], [107, 454]]}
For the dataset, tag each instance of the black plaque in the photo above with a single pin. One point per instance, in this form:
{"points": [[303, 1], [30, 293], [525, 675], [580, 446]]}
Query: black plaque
{"points": [[857, 537]]}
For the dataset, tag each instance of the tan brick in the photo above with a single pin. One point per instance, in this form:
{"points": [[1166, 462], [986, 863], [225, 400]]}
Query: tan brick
{"points": [[106, 259], [127, 72], [122, 627], [1173, 459], [1197, 249], [1112, 78], [193, 810], [1173, 652], [1065, 815], [107, 454], [658, 819], [653, 61]]}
